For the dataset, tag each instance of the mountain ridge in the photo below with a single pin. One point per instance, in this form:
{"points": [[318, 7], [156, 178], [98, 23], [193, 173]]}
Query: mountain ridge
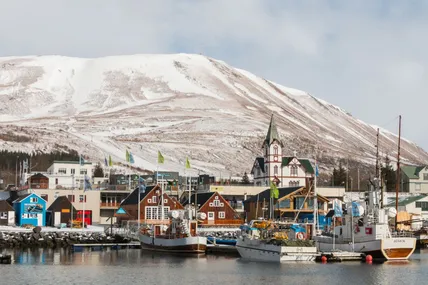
{"points": [[181, 104]]}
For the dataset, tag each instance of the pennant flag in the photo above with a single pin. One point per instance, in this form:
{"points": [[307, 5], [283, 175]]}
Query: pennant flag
{"points": [[127, 156], [105, 161], [274, 192], [337, 208], [110, 162], [81, 160], [87, 185], [187, 163], [160, 158], [131, 158]]}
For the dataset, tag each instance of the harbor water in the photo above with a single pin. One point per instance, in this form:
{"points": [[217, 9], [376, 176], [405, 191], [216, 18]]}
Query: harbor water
{"points": [[134, 266]]}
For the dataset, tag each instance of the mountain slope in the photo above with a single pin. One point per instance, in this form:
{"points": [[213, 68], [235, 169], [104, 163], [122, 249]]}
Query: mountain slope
{"points": [[180, 104]]}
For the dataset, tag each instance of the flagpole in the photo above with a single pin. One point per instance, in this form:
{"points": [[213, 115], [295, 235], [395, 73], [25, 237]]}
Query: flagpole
{"points": [[84, 203], [139, 191], [315, 201]]}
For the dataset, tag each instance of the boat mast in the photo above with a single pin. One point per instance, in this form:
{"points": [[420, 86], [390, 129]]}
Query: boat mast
{"points": [[315, 199], [398, 180], [377, 154]]}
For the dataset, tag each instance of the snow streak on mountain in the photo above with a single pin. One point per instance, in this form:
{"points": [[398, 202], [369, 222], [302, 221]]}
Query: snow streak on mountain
{"points": [[183, 105]]}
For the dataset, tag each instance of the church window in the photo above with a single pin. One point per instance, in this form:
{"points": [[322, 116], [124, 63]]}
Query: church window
{"points": [[275, 150], [293, 170], [275, 170]]}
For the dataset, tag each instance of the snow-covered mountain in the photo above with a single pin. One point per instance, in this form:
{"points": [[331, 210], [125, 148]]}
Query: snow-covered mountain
{"points": [[183, 105]]}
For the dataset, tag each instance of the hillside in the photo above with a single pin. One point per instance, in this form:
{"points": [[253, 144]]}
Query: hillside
{"points": [[180, 104]]}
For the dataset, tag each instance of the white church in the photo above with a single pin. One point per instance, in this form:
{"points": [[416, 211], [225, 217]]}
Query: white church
{"points": [[286, 171]]}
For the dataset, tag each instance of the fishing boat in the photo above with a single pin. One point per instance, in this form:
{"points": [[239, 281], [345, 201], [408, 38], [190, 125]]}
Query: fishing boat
{"points": [[221, 240], [272, 241], [179, 237], [365, 229]]}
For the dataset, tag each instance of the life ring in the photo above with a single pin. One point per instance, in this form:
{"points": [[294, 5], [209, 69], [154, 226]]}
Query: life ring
{"points": [[300, 235]]}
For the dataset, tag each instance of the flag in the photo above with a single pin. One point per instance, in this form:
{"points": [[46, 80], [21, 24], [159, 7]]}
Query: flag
{"points": [[131, 158], [127, 156], [160, 158], [187, 163], [317, 172], [142, 185], [274, 192], [87, 185], [105, 161], [81, 160], [110, 162], [337, 208]]}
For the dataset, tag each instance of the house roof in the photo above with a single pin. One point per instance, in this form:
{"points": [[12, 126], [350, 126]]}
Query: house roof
{"points": [[261, 162], [304, 162], [70, 162], [5, 206], [132, 198], [4, 195], [266, 194], [61, 202], [272, 133], [411, 171], [405, 201], [202, 198], [38, 175], [25, 196]]}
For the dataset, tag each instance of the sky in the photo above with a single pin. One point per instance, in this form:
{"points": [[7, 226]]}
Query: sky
{"points": [[369, 56]]}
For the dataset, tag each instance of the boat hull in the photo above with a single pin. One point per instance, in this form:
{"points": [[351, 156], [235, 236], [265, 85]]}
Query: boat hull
{"points": [[196, 245], [388, 248], [258, 251]]}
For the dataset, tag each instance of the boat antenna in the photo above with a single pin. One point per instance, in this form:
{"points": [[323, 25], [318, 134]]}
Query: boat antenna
{"points": [[398, 180]]}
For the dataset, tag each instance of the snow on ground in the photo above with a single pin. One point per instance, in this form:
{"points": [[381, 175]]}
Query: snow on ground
{"points": [[91, 228]]}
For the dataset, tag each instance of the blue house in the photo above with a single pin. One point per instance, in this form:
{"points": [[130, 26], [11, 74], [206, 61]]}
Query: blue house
{"points": [[30, 209]]}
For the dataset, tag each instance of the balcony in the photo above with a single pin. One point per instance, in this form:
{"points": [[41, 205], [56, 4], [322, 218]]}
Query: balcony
{"points": [[223, 222], [109, 205]]}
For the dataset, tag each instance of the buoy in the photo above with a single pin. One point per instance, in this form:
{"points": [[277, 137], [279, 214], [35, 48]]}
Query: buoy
{"points": [[323, 259], [369, 258]]}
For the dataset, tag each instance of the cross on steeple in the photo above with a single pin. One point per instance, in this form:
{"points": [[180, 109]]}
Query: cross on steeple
{"points": [[295, 153]]}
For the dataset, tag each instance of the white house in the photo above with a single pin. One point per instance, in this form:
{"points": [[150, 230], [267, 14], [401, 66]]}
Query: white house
{"points": [[68, 174], [414, 179], [288, 171]]}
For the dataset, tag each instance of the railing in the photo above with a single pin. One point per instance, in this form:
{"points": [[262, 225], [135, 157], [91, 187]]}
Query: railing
{"points": [[111, 205], [223, 222], [39, 185]]}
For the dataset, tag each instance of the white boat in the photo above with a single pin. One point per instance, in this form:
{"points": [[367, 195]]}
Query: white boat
{"points": [[179, 237], [365, 229], [280, 243]]}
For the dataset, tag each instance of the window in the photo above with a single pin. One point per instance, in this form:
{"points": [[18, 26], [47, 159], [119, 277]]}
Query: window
{"points": [[82, 198], [3, 215], [425, 176], [216, 203], [154, 212], [165, 201], [73, 171], [83, 171], [154, 199], [25, 216], [33, 200], [150, 213], [275, 170], [299, 202], [275, 150], [221, 215], [70, 198], [311, 203], [417, 186], [422, 205], [56, 181], [258, 172], [44, 197], [62, 170], [284, 203], [293, 170]]}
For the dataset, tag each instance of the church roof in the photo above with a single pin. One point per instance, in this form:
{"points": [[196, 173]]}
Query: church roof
{"points": [[272, 133], [304, 162]]}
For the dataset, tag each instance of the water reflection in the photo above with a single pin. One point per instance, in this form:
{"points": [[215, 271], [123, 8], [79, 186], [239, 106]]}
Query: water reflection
{"points": [[130, 266]]}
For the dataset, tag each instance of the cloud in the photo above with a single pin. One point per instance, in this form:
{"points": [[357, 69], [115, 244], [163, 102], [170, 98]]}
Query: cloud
{"points": [[368, 57]]}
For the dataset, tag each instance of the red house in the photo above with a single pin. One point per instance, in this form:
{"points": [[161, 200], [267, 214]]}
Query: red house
{"points": [[218, 211], [150, 206], [38, 181]]}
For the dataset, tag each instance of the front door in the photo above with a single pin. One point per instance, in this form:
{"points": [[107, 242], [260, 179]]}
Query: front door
{"points": [[40, 219], [211, 216]]}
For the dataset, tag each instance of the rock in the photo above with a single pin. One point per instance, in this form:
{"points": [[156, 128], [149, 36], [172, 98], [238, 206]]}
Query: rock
{"points": [[37, 230]]}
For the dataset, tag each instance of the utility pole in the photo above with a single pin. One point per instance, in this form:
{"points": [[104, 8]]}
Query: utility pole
{"points": [[398, 182], [377, 154]]}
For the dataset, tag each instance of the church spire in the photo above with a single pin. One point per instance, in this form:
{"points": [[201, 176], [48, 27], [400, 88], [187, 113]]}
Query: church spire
{"points": [[272, 133]]}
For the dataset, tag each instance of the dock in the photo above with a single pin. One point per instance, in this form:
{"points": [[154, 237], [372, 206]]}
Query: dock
{"points": [[221, 249], [101, 246], [339, 256]]}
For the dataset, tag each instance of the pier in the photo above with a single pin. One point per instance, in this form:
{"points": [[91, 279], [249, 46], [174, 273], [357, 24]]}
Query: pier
{"points": [[101, 246]]}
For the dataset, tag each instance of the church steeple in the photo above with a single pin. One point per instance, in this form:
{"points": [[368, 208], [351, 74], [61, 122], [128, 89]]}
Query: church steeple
{"points": [[272, 133]]}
